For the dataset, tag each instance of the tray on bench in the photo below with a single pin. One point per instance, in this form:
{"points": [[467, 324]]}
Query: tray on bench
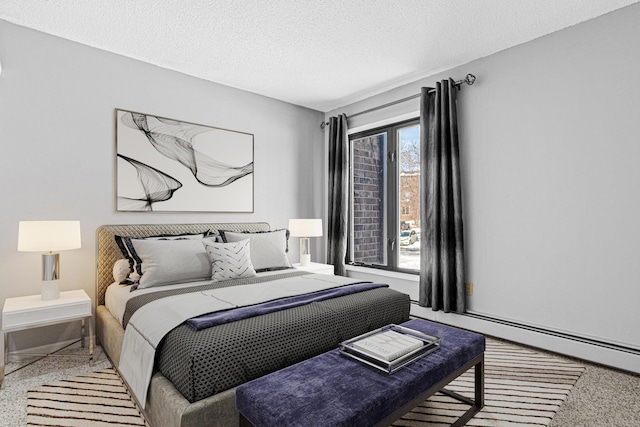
{"points": [[353, 348]]}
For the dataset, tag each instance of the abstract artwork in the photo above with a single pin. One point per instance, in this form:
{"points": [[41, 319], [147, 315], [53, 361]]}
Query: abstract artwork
{"points": [[166, 165]]}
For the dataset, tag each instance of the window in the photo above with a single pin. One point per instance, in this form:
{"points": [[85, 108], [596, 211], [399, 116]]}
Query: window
{"points": [[385, 197]]}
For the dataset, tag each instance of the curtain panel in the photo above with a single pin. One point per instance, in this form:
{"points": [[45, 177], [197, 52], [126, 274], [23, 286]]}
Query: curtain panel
{"points": [[338, 194], [442, 241]]}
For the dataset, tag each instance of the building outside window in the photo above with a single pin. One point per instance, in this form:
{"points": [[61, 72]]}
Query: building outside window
{"points": [[385, 197]]}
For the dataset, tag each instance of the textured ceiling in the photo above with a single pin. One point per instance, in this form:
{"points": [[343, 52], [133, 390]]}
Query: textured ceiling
{"points": [[321, 54]]}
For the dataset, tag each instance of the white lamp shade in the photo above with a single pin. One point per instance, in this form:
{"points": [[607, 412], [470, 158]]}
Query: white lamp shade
{"points": [[305, 227], [44, 236]]}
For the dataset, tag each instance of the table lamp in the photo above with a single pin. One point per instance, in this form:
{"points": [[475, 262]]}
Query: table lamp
{"points": [[49, 237], [305, 228]]}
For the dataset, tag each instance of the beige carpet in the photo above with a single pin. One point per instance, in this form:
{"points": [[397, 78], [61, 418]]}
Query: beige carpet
{"points": [[94, 399], [523, 387]]}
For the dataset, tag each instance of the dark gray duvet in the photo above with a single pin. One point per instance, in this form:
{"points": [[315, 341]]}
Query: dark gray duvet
{"points": [[206, 362]]}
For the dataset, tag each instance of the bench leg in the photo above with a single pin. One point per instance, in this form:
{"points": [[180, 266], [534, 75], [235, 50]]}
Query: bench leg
{"points": [[478, 401], [244, 422], [479, 383]]}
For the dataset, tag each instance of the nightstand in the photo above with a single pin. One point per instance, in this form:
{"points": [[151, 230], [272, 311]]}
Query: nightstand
{"points": [[33, 312], [315, 267]]}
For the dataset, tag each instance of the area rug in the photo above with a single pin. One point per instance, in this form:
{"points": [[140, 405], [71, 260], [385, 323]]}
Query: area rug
{"points": [[94, 399], [523, 387]]}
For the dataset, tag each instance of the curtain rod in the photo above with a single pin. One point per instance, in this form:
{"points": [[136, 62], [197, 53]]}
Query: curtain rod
{"points": [[469, 79]]}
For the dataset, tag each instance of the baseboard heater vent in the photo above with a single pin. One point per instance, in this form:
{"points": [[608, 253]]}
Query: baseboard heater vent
{"points": [[564, 335]]}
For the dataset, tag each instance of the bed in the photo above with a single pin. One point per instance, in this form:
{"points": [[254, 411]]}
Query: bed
{"points": [[196, 371]]}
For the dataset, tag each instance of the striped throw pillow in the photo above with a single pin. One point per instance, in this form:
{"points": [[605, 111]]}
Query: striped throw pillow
{"points": [[229, 260]]}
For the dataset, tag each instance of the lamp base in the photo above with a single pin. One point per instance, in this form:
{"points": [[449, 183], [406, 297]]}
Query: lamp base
{"points": [[305, 251], [305, 259], [50, 289]]}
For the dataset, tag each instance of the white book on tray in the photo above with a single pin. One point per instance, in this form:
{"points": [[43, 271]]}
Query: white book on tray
{"points": [[388, 345]]}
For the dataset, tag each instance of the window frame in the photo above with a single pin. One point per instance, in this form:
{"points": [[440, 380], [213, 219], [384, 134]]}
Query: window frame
{"points": [[392, 193]]}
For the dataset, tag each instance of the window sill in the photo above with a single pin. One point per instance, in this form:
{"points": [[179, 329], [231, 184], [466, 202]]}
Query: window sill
{"points": [[384, 273]]}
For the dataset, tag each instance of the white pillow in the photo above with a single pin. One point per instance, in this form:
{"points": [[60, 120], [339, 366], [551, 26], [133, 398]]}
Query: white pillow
{"points": [[268, 248], [165, 262], [121, 270], [129, 252], [229, 260]]}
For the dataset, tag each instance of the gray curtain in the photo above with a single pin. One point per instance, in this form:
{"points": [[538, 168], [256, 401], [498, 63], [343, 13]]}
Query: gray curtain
{"points": [[338, 193], [441, 243]]}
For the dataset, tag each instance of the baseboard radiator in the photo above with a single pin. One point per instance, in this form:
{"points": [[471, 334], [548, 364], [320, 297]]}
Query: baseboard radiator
{"points": [[611, 354], [564, 335]]}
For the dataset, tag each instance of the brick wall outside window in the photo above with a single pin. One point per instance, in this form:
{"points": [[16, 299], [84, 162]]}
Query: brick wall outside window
{"points": [[368, 199]]}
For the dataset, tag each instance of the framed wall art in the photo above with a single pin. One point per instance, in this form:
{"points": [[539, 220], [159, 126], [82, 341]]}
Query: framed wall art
{"points": [[167, 165]]}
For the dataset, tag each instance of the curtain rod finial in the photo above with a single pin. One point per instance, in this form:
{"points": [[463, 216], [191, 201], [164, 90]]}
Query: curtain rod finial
{"points": [[470, 79]]}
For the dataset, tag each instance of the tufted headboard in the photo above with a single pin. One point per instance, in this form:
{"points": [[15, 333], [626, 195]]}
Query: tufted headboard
{"points": [[107, 251]]}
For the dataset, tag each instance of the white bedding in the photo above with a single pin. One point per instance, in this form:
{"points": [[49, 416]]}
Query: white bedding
{"points": [[117, 295]]}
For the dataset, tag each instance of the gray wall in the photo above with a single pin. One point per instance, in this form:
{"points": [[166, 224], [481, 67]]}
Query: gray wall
{"points": [[550, 138], [57, 133]]}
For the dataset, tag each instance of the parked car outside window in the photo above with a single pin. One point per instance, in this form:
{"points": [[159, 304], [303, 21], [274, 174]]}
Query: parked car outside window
{"points": [[408, 237]]}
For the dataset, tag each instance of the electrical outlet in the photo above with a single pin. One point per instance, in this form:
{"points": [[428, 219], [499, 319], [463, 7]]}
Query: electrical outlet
{"points": [[469, 287]]}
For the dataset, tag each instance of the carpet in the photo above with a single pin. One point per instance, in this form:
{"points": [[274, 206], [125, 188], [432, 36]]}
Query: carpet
{"points": [[92, 400], [523, 387]]}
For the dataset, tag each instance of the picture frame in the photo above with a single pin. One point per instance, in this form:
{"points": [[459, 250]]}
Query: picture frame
{"points": [[169, 165]]}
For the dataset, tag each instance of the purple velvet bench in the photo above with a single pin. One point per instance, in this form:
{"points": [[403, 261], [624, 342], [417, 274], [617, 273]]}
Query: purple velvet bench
{"points": [[334, 390]]}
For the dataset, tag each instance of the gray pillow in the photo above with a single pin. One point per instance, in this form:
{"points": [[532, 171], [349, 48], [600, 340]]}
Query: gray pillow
{"points": [[268, 248], [135, 263], [165, 262]]}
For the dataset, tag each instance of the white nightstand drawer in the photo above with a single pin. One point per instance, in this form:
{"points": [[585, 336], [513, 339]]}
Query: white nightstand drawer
{"points": [[31, 311]]}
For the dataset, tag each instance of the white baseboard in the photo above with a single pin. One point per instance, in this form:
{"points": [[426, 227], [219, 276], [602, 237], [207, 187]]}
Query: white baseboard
{"points": [[574, 347]]}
